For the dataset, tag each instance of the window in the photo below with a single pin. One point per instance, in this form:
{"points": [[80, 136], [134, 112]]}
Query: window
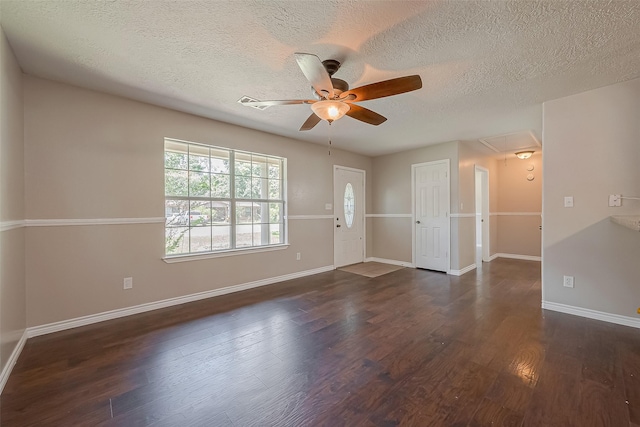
{"points": [[218, 199], [349, 204]]}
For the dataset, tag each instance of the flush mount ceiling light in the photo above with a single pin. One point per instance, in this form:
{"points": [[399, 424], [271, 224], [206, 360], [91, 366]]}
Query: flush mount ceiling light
{"points": [[330, 110], [524, 155]]}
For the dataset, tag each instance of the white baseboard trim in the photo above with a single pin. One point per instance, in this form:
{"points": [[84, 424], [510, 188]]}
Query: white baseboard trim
{"points": [[467, 269], [492, 257], [516, 256], [35, 331], [592, 314], [389, 261], [11, 362]]}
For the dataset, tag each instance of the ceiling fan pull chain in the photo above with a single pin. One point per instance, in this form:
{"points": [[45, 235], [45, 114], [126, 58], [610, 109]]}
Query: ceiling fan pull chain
{"points": [[329, 138]]}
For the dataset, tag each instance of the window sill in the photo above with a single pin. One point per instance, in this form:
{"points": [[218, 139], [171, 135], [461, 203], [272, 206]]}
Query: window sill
{"points": [[207, 255]]}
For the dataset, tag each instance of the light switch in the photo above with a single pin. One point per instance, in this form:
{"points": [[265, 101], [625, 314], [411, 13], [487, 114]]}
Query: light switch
{"points": [[568, 201]]}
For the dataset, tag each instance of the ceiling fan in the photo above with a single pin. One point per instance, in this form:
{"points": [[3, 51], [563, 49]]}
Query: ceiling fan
{"points": [[334, 99]]}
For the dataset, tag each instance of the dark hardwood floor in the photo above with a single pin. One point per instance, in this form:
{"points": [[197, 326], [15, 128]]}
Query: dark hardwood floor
{"points": [[411, 348]]}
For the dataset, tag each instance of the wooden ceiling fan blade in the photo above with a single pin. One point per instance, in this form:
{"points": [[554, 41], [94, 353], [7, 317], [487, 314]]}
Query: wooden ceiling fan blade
{"points": [[384, 88], [311, 122], [315, 72], [278, 102], [365, 115]]}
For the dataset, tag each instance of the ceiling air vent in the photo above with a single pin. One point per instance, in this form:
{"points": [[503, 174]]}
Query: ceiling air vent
{"points": [[246, 98]]}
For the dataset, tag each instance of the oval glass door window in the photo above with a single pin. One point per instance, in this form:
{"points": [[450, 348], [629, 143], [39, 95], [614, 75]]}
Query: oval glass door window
{"points": [[349, 205]]}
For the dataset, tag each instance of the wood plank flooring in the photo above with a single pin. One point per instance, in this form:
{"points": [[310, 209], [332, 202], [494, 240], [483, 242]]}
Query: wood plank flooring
{"points": [[409, 348]]}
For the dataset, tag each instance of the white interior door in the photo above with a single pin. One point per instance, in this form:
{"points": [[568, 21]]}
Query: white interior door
{"points": [[348, 209], [431, 215], [482, 213]]}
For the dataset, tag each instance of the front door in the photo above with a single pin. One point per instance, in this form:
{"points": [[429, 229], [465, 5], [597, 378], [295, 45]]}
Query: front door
{"points": [[431, 215], [348, 209]]}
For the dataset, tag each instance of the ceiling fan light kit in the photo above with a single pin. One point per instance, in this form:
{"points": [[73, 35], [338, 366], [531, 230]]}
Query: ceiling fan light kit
{"points": [[330, 110], [334, 99]]}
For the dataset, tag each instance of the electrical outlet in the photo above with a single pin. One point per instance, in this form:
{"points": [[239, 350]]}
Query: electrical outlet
{"points": [[568, 282], [568, 201], [615, 200], [298, 256], [128, 282]]}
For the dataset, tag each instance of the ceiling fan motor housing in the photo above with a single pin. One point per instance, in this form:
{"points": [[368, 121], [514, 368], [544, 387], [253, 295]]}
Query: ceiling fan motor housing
{"points": [[339, 85]]}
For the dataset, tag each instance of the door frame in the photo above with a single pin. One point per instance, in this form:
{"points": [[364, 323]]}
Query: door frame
{"points": [[364, 212], [413, 207], [485, 214]]}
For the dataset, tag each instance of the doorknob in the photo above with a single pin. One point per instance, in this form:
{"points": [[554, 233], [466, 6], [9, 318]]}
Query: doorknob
{"points": [[417, 222]]}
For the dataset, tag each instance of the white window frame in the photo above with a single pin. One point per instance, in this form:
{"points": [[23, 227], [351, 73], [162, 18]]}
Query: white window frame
{"points": [[232, 199]]}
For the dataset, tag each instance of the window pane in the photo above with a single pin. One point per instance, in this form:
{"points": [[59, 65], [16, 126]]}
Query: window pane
{"points": [[259, 166], [175, 160], [219, 161], [221, 237], [274, 189], [199, 163], [176, 183], [199, 185], [243, 212], [243, 187], [199, 213], [274, 168], [260, 231], [176, 212], [176, 240], [349, 204], [243, 236], [220, 186], [220, 212], [275, 234], [257, 212], [200, 239], [259, 188], [275, 213], [243, 167]]}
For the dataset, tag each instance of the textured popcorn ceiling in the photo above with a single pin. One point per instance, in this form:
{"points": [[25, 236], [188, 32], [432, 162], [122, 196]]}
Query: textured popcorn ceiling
{"points": [[486, 66]]}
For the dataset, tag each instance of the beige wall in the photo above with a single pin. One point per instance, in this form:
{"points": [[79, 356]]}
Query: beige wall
{"points": [[12, 253], [92, 155], [392, 195], [591, 150], [519, 234]]}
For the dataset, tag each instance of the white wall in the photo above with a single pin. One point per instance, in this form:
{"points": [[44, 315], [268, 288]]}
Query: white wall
{"points": [[12, 252], [591, 150], [91, 155]]}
